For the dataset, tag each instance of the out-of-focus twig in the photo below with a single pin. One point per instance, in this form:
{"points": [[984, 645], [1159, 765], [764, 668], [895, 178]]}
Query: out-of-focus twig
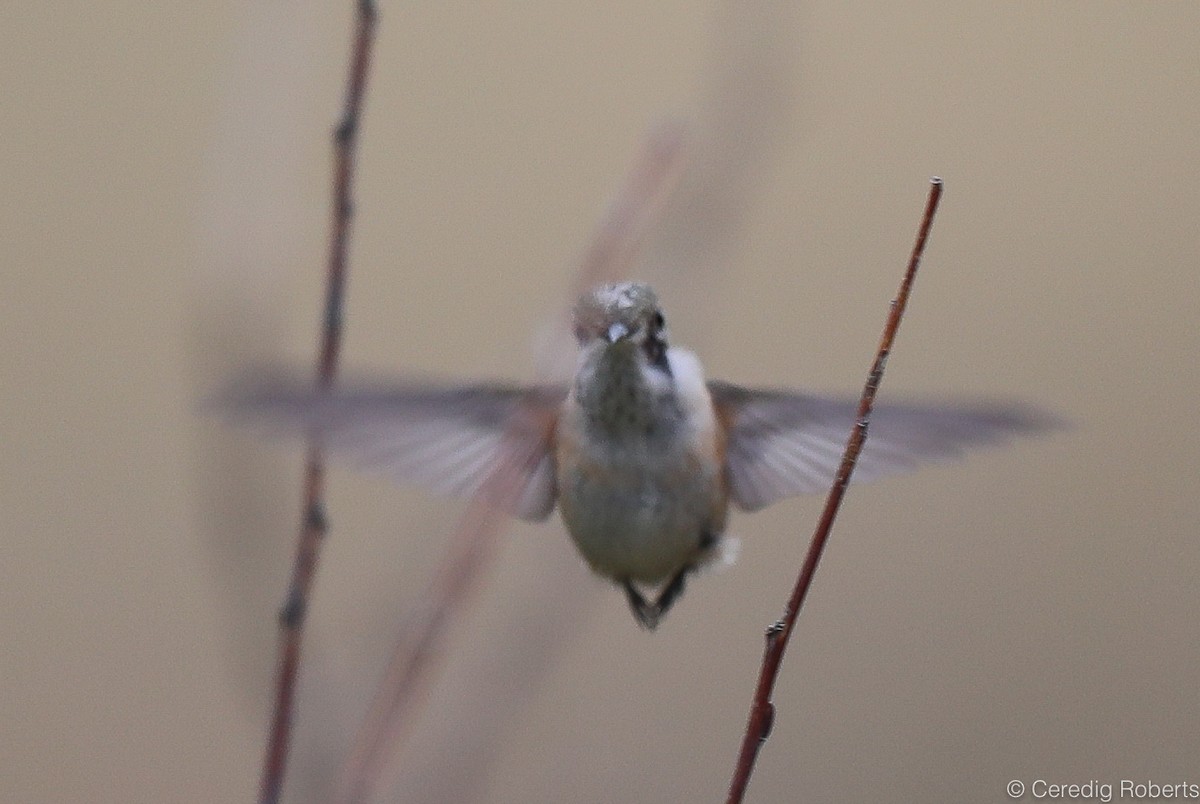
{"points": [[620, 230], [762, 711], [313, 524], [396, 700]]}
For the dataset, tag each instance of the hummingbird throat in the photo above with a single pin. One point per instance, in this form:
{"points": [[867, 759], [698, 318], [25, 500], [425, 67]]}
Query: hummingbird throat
{"points": [[625, 397]]}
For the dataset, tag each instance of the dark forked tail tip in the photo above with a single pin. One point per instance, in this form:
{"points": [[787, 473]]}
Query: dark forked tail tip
{"points": [[646, 614]]}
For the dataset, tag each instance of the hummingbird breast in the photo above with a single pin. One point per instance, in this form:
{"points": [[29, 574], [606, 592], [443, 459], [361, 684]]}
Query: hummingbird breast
{"points": [[642, 494]]}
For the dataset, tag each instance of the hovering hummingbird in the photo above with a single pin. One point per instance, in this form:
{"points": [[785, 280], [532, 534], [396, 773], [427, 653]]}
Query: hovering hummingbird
{"points": [[640, 453]]}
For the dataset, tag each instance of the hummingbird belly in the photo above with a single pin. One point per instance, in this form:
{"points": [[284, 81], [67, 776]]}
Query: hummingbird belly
{"points": [[642, 520]]}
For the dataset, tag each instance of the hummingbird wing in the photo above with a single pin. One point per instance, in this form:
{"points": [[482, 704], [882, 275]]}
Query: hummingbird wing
{"points": [[781, 444], [446, 439]]}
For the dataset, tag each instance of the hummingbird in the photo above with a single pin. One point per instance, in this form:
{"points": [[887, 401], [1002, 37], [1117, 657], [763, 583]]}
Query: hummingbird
{"points": [[641, 454]]}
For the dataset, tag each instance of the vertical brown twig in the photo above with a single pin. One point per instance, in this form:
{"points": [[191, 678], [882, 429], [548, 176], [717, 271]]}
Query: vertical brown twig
{"points": [[762, 711], [313, 524], [414, 658]]}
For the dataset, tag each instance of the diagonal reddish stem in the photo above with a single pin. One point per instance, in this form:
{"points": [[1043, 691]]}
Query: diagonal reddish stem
{"points": [[762, 711]]}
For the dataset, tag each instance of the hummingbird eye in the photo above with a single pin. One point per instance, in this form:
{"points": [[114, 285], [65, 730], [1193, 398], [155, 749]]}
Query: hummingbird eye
{"points": [[657, 321]]}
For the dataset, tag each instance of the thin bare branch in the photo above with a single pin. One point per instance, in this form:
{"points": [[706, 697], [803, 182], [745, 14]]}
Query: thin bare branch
{"points": [[313, 523], [418, 649], [762, 711]]}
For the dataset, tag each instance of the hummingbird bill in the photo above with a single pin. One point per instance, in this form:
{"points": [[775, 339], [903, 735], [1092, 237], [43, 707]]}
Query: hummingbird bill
{"points": [[640, 453]]}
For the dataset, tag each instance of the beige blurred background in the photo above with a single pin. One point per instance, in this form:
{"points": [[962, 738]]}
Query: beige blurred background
{"points": [[1030, 614]]}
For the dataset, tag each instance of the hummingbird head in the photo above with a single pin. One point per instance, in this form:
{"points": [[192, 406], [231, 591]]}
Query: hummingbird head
{"points": [[623, 316], [624, 380]]}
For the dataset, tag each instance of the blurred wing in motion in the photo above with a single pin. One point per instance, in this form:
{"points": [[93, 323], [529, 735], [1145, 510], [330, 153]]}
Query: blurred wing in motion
{"points": [[782, 443], [446, 439]]}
